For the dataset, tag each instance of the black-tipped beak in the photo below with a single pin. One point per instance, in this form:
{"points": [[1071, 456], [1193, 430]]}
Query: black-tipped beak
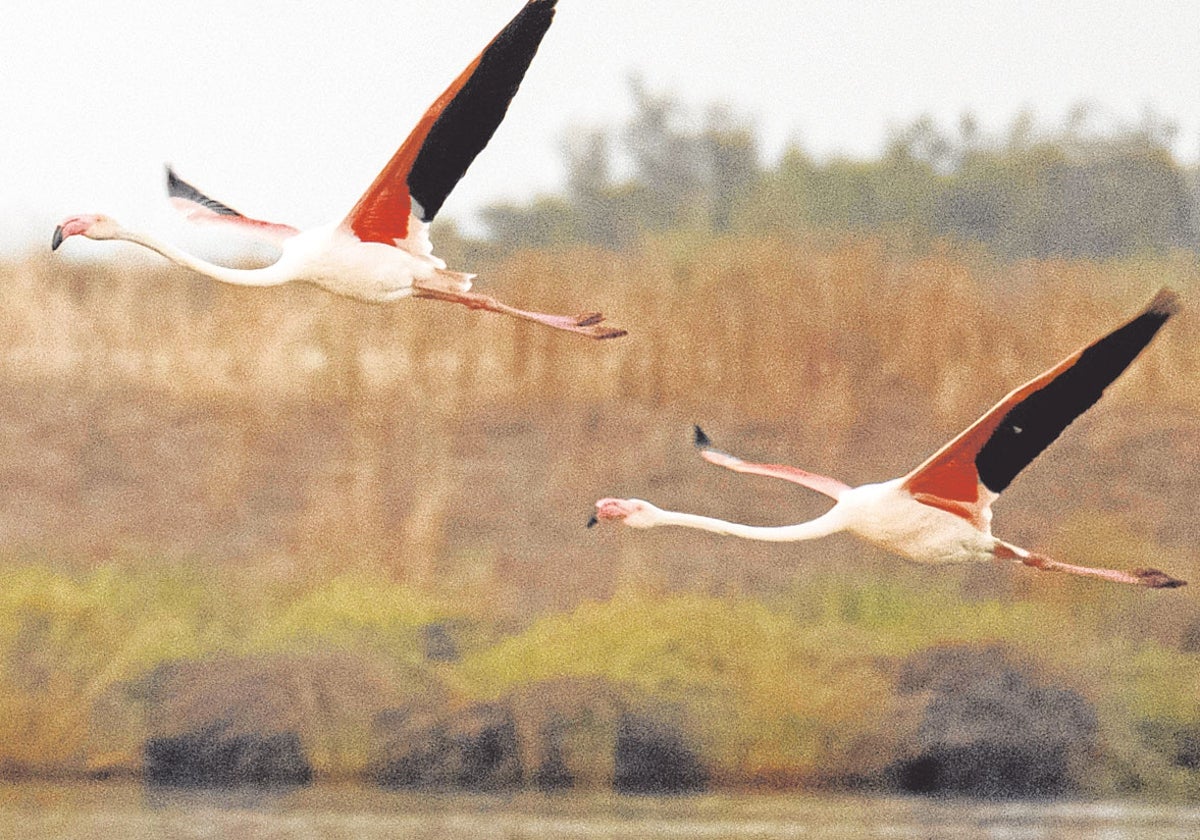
{"points": [[701, 439], [57, 240], [593, 521]]}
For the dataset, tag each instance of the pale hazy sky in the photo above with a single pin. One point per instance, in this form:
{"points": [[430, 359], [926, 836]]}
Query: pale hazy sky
{"points": [[286, 111]]}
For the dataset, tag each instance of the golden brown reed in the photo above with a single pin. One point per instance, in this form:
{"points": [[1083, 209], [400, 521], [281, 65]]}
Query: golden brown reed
{"points": [[152, 408], [758, 322]]}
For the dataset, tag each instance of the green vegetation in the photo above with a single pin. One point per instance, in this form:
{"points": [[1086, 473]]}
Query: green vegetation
{"points": [[1078, 190], [353, 613], [799, 689]]}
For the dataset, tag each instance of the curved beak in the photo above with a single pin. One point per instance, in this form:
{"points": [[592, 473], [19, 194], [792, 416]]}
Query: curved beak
{"points": [[593, 521], [58, 238]]}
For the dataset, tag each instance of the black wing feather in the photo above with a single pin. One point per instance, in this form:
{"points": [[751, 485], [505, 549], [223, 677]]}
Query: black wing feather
{"points": [[179, 188], [1035, 422], [467, 124]]}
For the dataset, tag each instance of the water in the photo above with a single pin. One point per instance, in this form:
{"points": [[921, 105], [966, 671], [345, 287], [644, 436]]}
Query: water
{"points": [[57, 812]]}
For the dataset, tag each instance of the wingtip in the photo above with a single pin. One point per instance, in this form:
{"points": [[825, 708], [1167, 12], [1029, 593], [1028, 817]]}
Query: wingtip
{"points": [[176, 186], [544, 9], [1165, 303], [699, 438], [593, 521]]}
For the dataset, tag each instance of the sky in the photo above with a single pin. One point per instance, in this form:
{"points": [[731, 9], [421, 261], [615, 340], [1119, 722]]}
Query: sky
{"points": [[286, 111]]}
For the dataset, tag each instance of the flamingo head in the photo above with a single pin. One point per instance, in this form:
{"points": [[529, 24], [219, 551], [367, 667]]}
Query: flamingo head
{"points": [[93, 226], [633, 512]]}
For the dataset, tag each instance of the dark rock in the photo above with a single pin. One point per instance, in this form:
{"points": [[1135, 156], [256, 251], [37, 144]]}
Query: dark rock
{"points": [[652, 757], [1179, 742], [255, 713], [551, 735], [413, 749], [553, 772], [475, 749], [486, 745], [567, 730], [991, 728], [422, 766], [217, 757]]}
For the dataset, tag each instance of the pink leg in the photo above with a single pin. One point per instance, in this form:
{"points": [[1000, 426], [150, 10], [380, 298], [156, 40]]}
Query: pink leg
{"points": [[587, 324], [1152, 578]]}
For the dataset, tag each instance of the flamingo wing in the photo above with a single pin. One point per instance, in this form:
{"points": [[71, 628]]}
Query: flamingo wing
{"points": [[969, 472], [454, 130], [821, 483], [198, 207]]}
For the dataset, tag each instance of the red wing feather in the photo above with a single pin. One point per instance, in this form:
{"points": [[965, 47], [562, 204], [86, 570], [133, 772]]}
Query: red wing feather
{"points": [[383, 212], [1001, 443], [455, 129], [951, 473]]}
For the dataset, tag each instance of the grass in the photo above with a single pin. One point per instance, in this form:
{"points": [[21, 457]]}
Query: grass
{"points": [[802, 690]]}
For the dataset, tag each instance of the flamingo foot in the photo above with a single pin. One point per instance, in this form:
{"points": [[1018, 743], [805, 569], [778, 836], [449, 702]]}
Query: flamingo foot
{"points": [[1157, 579], [587, 324], [1151, 578]]}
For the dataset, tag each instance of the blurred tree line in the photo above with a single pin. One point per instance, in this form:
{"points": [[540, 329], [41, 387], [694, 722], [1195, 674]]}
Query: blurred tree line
{"points": [[1076, 190]]}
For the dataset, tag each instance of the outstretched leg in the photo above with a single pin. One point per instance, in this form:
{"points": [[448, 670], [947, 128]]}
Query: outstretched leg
{"points": [[1152, 578], [821, 483], [587, 324]]}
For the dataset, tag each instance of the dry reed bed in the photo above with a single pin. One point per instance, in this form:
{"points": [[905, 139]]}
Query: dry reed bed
{"points": [[771, 325], [151, 408]]}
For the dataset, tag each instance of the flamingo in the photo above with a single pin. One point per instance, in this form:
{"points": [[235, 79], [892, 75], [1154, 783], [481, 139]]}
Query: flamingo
{"points": [[381, 251], [941, 511]]}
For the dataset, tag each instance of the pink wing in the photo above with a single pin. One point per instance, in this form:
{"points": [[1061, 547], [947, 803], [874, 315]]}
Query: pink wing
{"points": [[821, 483], [455, 129], [199, 208], [969, 472]]}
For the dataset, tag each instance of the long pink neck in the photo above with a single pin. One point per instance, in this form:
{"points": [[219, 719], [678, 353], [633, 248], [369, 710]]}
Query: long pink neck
{"points": [[824, 525], [236, 276]]}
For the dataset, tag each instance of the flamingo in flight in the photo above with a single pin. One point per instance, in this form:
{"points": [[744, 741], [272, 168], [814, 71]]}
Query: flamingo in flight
{"points": [[941, 511], [381, 251]]}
